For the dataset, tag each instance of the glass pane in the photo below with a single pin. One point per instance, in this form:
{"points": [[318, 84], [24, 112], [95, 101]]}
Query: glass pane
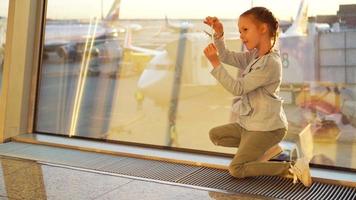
{"points": [[4, 6], [131, 71]]}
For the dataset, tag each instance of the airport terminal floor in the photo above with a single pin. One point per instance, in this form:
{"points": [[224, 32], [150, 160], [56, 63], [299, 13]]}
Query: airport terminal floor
{"points": [[24, 179]]}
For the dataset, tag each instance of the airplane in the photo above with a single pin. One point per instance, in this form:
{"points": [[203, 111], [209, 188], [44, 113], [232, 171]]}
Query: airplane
{"points": [[160, 70], [130, 47], [70, 42], [71, 45]]}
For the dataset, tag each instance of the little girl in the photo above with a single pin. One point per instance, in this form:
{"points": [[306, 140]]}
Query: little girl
{"points": [[261, 123]]}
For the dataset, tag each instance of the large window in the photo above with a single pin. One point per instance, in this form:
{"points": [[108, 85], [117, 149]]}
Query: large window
{"points": [[4, 6], [135, 71]]}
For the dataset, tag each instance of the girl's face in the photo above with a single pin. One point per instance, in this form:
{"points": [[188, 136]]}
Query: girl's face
{"points": [[250, 32]]}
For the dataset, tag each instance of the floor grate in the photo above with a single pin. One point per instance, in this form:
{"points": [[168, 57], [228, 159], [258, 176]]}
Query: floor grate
{"points": [[274, 187]]}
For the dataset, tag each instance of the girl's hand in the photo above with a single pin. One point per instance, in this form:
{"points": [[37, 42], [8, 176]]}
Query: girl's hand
{"points": [[215, 23], [212, 54]]}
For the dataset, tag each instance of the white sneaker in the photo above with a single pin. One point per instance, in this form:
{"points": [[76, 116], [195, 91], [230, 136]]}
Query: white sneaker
{"points": [[270, 153], [301, 172]]}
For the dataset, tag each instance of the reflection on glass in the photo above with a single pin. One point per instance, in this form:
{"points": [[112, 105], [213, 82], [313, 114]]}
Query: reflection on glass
{"points": [[80, 57], [4, 5], [21, 179], [145, 79]]}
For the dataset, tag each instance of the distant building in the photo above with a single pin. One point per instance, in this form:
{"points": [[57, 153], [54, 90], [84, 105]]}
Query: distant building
{"points": [[347, 16], [328, 19]]}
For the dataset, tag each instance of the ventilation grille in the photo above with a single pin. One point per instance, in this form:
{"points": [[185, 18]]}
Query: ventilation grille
{"points": [[268, 186]]}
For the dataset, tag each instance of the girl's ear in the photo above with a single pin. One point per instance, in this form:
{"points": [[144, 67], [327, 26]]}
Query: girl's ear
{"points": [[264, 28]]}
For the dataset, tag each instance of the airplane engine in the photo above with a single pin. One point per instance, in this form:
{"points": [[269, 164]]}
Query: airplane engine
{"points": [[95, 52], [67, 52]]}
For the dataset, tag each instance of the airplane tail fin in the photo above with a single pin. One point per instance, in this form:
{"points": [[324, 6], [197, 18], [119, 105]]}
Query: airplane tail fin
{"points": [[177, 26], [299, 26], [114, 12], [164, 27], [167, 24], [128, 38]]}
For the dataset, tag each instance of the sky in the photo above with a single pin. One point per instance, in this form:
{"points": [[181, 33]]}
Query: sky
{"points": [[180, 9], [284, 9]]}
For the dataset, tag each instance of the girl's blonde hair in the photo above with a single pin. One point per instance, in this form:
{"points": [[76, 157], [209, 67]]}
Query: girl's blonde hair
{"points": [[264, 15]]}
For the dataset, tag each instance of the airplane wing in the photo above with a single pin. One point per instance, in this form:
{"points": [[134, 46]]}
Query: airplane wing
{"points": [[128, 45]]}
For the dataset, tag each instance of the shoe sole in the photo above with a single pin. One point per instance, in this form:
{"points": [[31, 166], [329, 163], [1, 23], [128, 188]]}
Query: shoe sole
{"points": [[271, 154], [304, 175]]}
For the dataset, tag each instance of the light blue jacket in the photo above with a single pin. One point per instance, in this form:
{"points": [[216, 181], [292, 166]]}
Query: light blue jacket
{"points": [[258, 106]]}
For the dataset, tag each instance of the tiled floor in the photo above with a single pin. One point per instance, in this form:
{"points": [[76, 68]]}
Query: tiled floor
{"points": [[23, 179]]}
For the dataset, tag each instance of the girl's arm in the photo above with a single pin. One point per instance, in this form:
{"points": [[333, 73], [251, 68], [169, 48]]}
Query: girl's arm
{"points": [[236, 59], [266, 73]]}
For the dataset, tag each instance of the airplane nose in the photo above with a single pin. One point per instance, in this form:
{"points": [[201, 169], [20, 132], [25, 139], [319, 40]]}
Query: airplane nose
{"points": [[156, 84], [153, 79]]}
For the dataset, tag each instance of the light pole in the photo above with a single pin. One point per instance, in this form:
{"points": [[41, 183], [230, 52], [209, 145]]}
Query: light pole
{"points": [[102, 16]]}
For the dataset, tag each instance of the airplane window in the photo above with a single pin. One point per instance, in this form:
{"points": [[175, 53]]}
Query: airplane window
{"points": [[128, 71], [4, 6]]}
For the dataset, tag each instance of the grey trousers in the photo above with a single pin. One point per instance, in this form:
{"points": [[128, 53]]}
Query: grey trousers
{"points": [[251, 146]]}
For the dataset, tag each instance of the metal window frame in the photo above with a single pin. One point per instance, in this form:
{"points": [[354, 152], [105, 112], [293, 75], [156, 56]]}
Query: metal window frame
{"points": [[21, 64]]}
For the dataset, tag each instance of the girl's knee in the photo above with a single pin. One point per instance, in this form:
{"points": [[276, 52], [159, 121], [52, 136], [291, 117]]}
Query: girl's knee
{"points": [[213, 134], [237, 171]]}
